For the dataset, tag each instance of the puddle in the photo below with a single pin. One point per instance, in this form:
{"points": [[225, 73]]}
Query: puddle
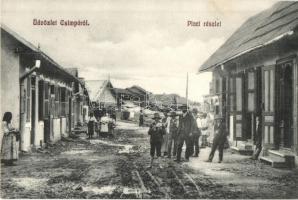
{"points": [[126, 148], [109, 189], [127, 190], [103, 190], [212, 172], [73, 152], [30, 183]]}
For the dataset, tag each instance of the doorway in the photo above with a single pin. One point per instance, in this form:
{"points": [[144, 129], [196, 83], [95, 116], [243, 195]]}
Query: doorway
{"points": [[285, 104], [33, 108]]}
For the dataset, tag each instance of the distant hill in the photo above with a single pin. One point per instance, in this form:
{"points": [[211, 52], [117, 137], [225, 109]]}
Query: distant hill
{"points": [[169, 99]]}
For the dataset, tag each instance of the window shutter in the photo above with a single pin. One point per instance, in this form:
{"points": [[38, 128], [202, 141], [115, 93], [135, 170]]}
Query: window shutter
{"points": [[28, 102], [46, 100]]}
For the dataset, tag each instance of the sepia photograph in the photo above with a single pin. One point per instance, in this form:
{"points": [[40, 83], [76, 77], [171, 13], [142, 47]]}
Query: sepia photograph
{"points": [[149, 99]]}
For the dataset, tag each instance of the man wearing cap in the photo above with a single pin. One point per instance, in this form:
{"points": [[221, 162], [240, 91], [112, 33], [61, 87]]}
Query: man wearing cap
{"points": [[156, 132], [172, 127], [218, 140], [185, 129]]}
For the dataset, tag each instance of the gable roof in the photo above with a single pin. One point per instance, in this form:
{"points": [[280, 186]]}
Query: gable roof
{"points": [[96, 87], [262, 29], [55, 66], [137, 90], [122, 91]]}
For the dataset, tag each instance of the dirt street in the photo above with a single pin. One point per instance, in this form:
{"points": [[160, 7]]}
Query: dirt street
{"points": [[117, 168]]}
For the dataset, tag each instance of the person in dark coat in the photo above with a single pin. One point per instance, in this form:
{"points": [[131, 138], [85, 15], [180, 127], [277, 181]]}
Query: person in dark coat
{"points": [[219, 139], [185, 131], [156, 132], [113, 114], [141, 118], [91, 125], [258, 139]]}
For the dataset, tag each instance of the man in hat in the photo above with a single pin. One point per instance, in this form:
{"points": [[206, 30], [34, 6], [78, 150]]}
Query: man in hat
{"points": [[196, 133], [219, 139], [185, 129], [156, 132], [172, 127]]}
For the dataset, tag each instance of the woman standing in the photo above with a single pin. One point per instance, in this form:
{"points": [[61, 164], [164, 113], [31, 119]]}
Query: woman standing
{"points": [[9, 149]]}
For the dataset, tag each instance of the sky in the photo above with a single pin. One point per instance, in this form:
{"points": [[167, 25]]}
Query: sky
{"points": [[136, 42]]}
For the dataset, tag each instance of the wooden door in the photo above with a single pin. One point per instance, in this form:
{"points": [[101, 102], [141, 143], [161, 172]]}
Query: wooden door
{"points": [[285, 102], [239, 120], [268, 97]]}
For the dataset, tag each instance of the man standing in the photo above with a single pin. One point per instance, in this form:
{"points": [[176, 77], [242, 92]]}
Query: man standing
{"points": [[203, 126], [141, 118], [219, 140], [258, 139], [172, 128], [196, 134], [185, 134], [156, 132]]}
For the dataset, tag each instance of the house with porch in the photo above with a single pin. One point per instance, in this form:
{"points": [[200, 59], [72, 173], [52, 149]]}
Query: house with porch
{"points": [[37, 90], [255, 73]]}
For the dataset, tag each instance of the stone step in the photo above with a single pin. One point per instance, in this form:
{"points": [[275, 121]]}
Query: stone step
{"points": [[274, 161], [287, 155], [281, 153], [247, 152]]}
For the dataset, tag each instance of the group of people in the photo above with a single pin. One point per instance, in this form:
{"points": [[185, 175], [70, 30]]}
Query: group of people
{"points": [[168, 135], [100, 122]]}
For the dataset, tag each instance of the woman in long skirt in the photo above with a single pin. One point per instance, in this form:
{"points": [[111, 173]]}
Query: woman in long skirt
{"points": [[9, 149]]}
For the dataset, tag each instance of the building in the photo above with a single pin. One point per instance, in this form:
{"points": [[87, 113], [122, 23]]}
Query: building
{"points": [[139, 93], [255, 73], [101, 93], [37, 90], [81, 100]]}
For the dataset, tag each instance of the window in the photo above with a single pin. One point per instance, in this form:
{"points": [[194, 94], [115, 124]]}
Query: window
{"points": [[269, 90], [217, 86], [57, 102], [63, 102], [251, 91], [28, 92], [238, 93]]}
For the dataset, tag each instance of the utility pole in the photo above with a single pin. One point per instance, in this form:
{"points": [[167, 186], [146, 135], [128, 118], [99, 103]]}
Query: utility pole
{"points": [[187, 90]]}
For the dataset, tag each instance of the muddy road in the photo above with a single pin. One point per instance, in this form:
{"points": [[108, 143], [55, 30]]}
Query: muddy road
{"points": [[116, 167]]}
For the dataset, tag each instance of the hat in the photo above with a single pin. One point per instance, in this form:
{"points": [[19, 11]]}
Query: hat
{"points": [[184, 107], [195, 110], [156, 116], [173, 114]]}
